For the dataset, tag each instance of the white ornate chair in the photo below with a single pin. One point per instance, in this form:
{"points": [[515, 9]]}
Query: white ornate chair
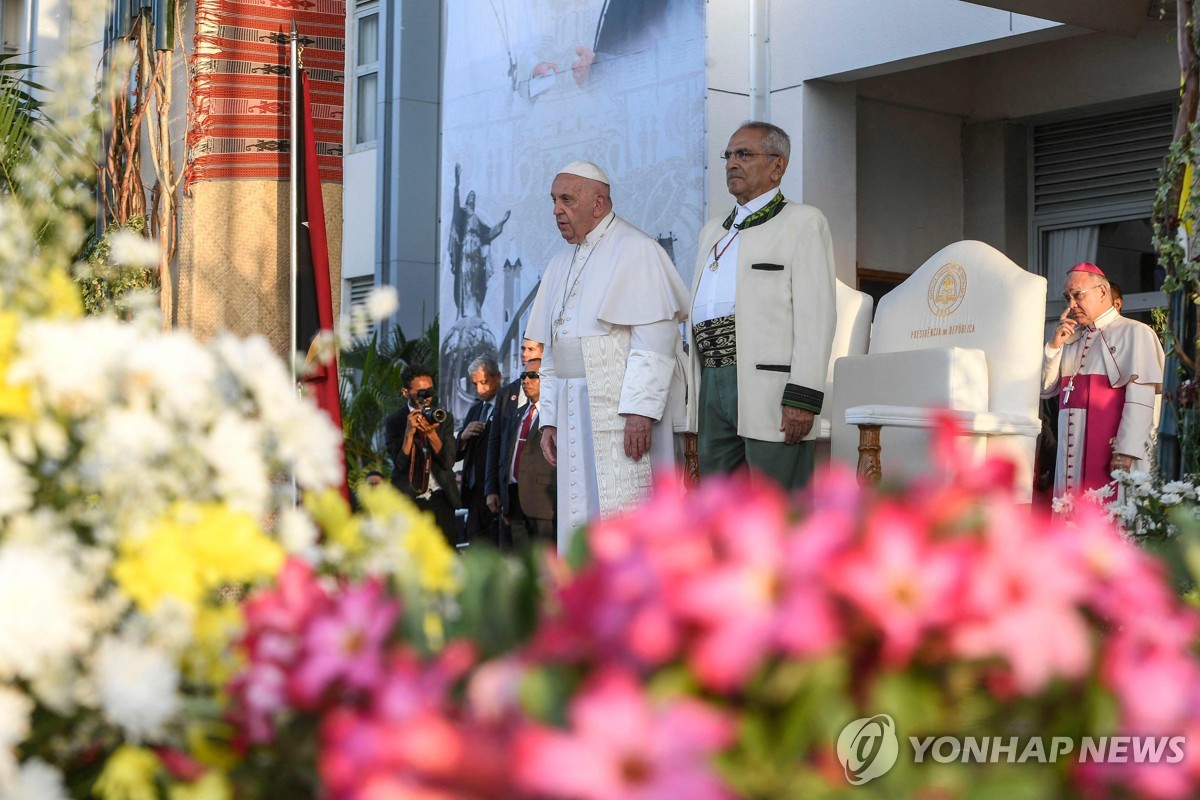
{"points": [[850, 338], [963, 333]]}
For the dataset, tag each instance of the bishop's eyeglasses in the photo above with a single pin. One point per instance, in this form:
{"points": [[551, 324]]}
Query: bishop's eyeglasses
{"points": [[1076, 295]]}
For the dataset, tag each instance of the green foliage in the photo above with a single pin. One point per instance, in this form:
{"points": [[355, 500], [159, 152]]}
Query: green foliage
{"points": [[370, 390], [104, 284], [20, 117]]}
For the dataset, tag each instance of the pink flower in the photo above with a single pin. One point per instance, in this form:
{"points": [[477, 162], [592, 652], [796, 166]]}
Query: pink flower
{"points": [[288, 606], [763, 593], [904, 583], [1022, 601], [620, 747], [1149, 664], [616, 606], [410, 742], [275, 622], [346, 643]]}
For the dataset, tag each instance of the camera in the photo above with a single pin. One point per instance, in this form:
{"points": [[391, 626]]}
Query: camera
{"points": [[435, 415]]}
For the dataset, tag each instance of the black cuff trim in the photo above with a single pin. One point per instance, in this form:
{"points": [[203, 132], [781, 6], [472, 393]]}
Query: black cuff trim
{"points": [[803, 397]]}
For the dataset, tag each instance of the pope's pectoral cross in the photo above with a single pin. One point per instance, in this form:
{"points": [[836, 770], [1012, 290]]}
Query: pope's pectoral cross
{"points": [[1067, 392]]}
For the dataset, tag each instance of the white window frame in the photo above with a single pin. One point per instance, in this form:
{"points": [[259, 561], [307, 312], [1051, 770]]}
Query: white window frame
{"points": [[1101, 213], [364, 8]]}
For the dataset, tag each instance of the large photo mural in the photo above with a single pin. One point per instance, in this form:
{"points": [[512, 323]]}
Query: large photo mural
{"points": [[529, 86]]}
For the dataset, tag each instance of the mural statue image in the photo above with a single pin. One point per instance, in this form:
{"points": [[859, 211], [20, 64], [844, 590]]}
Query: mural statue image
{"points": [[470, 251]]}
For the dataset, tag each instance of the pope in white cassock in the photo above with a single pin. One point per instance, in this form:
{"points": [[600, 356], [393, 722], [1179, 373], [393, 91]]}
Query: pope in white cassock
{"points": [[608, 311], [1105, 370]]}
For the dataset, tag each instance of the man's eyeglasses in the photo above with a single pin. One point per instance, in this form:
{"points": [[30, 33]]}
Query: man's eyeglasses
{"points": [[744, 155], [1069, 296], [533, 376]]}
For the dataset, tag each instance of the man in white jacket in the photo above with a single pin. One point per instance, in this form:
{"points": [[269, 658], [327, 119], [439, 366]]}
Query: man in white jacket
{"points": [[608, 312], [762, 320]]}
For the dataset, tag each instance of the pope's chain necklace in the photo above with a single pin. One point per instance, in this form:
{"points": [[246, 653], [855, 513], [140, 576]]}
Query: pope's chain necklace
{"points": [[568, 290]]}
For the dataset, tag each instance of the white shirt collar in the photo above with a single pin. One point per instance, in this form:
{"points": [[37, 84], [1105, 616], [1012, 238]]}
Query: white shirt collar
{"points": [[596, 233], [757, 204], [1104, 319]]}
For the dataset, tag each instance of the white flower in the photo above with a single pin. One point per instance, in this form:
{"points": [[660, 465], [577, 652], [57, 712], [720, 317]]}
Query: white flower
{"points": [[1140, 477], [36, 780], [1181, 488], [138, 686], [1170, 498], [175, 371], [382, 302], [234, 448], [1063, 505], [16, 485], [1101, 493], [131, 249], [72, 365], [51, 438], [43, 609], [308, 443], [15, 709], [298, 535]]}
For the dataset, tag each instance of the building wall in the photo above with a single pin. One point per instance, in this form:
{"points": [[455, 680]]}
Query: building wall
{"points": [[405, 198], [855, 38], [359, 171], [910, 185]]}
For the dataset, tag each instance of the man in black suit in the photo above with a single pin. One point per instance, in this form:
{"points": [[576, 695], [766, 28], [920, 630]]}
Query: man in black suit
{"points": [[518, 441], [537, 478], [508, 403], [482, 522], [420, 440]]}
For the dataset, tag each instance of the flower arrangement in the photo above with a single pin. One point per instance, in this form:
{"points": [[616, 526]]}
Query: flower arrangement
{"points": [[713, 646], [143, 477], [147, 481]]}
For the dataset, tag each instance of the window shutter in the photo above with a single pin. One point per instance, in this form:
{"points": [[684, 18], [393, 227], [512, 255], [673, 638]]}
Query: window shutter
{"points": [[1100, 162], [359, 290]]}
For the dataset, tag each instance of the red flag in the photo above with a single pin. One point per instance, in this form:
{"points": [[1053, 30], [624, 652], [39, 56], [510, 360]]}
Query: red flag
{"points": [[314, 298]]}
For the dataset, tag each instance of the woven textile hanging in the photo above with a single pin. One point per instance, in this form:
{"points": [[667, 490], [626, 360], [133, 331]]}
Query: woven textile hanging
{"points": [[240, 86]]}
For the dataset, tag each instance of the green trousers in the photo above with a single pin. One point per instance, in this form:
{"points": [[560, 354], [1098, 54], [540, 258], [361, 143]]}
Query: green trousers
{"points": [[722, 451]]}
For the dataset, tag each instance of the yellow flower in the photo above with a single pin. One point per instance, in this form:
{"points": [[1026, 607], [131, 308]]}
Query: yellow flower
{"points": [[62, 296], [193, 550], [435, 561], [332, 514], [14, 399], [128, 775], [210, 659], [208, 742], [213, 786]]}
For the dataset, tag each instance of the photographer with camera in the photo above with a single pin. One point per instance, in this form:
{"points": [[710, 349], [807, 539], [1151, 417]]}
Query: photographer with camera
{"points": [[420, 440]]}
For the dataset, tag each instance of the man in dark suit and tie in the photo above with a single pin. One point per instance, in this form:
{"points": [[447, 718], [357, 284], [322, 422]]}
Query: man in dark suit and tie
{"points": [[518, 432], [422, 450], [482, 522], [536, 495], [508, 403]]}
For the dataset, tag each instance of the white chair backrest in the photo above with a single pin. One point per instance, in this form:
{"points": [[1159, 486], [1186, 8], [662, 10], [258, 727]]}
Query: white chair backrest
{"points": [[850, 338], [971, 295], [853, 330]]}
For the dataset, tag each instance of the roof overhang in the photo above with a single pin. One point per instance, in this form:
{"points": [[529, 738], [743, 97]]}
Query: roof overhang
{"points": [[1121, 17]]}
